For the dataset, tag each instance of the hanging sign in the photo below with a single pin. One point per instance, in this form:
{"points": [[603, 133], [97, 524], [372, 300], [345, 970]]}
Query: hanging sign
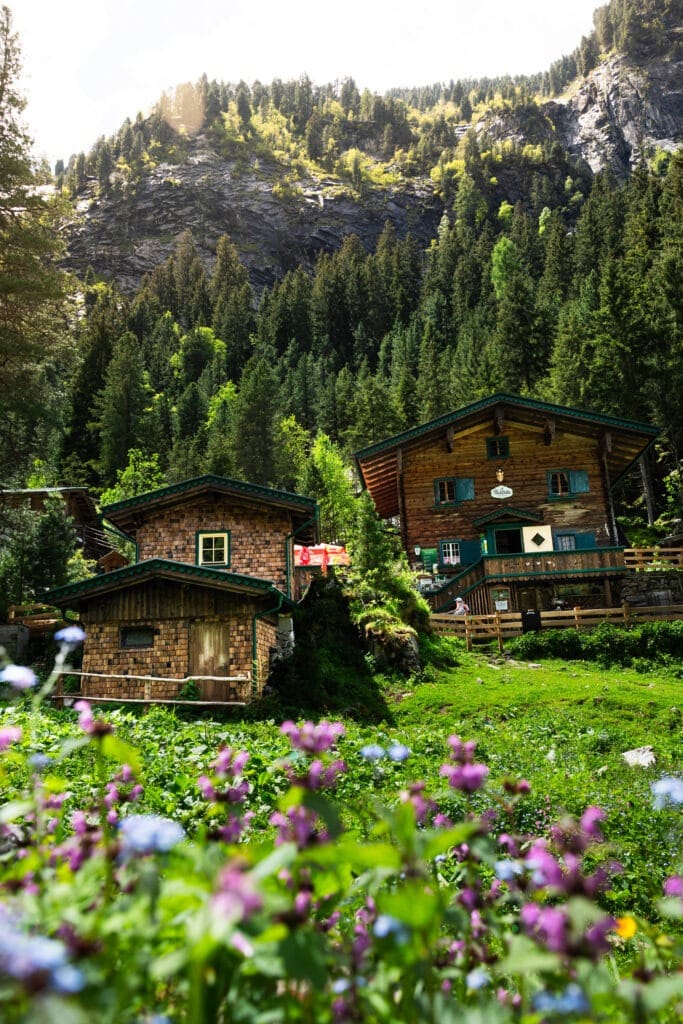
{"points": [[502, 492]]}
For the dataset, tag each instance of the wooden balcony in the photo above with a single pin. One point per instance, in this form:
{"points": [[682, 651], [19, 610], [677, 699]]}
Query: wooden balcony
{"points": [[529, 566]]}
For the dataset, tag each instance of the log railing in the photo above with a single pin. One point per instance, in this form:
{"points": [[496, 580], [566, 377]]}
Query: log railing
{"points": [[150, 693]]}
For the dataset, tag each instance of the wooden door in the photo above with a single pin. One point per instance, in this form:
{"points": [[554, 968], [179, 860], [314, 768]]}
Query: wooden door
{"points": [[210, 656]]}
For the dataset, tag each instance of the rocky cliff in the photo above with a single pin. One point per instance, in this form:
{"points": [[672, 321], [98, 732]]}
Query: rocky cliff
{"points": [[613, 117], [610, 118], [275, 227]]}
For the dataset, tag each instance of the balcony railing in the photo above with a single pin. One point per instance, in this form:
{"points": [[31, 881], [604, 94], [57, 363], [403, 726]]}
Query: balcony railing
{"points": [[554, 563]]}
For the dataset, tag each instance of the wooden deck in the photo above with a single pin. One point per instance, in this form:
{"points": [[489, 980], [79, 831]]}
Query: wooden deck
{"points": [[502, 626]]}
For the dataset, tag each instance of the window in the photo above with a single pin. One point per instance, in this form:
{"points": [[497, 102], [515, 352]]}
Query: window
{"points": [[137, 636], [451, 490], [564, 483], [450, 552], [498, 447], [213, 549], [566, 542]]}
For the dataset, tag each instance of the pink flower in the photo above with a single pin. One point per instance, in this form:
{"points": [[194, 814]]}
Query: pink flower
{"points": [[467, 777], [674, 886], [10, 734]]}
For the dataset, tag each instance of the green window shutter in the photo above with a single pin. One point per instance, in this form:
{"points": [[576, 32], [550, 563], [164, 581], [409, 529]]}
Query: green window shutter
{"points": [[470, 551], [437, 499], [429, 557], [578, 481], [464, 488], [585, 540]]}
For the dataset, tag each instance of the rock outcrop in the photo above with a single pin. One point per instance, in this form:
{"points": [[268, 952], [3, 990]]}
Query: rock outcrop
{"points": [[275, 226]]}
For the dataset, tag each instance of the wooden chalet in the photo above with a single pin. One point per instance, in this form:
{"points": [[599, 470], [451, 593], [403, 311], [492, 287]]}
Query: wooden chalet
{"points": [[508, 502], [79, 504], [211, 587]]}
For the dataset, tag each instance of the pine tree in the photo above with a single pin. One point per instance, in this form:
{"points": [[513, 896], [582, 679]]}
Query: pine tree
{"points": [[32, 291], [122, 407]]}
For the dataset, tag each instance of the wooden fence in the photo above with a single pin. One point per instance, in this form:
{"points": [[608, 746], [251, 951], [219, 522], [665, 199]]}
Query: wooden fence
{"points": [[653, 559], [151, 694], [502, 626]]}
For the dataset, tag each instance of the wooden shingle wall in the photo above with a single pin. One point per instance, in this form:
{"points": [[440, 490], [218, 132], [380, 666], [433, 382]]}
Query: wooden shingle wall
{"points": [[257, 535]]}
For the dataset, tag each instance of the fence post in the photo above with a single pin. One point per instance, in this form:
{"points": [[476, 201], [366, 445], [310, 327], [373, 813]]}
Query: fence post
{"points": [[468, 632], [499, 632], [626, 610], [577, 619]]}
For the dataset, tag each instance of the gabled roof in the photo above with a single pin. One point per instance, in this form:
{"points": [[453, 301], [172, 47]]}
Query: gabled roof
{"points": [[74, 594], [514, 515], [127, 514], [378, 464]]}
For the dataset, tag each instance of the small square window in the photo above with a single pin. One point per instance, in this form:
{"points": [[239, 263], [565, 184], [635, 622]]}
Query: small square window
{"points": [[213, 549], [558, 483], [566, 542], [137, 636], [450, 552], [498, 447], [452, 490]]}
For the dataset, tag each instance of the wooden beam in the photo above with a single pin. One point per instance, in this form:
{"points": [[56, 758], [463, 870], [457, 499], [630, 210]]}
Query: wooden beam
{"points": [[498, 420], [548, 432], [449, 438]]}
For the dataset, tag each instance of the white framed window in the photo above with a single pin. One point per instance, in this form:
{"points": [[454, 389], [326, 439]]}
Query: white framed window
{"points": [[213, 549], [450, 552], [566, 542]]}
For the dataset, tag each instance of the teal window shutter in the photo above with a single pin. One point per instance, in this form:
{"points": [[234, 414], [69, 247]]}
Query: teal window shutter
{"points": [[464, 488], [578, 481]]}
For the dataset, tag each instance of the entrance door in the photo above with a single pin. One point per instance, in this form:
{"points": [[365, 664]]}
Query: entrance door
{"points": [[508, 541], [210, 656]]}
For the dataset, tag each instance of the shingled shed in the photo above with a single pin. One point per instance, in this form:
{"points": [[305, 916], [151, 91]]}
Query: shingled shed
{"points": [[210, 590]]}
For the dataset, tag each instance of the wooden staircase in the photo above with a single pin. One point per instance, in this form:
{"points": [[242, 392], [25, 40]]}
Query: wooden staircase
{"points": [[465, 584]]}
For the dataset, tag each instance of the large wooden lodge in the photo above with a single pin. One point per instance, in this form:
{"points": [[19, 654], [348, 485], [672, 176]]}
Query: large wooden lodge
{"points": [[508, 502]]}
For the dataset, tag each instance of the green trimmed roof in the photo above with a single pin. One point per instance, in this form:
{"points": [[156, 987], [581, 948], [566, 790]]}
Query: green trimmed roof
{"points": [[74, 594], [506, 512], [378, 463], [126, 514]]}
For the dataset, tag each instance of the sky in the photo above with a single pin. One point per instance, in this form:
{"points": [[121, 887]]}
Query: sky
{"points": [[89, 64]]}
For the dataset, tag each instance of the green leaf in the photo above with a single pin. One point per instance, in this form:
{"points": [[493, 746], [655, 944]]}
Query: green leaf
{"points": [[121, 752], [14, 809], [326, 810], [303, 955], [524, 956], [444, 840], [415, 904]]}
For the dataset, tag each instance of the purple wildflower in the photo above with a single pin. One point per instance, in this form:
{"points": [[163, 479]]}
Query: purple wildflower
{"points": [[36, 961], [674, 886], [237, 897], [299, 825], [466, 776], [548, 925], [19, 677], [312, 738]]}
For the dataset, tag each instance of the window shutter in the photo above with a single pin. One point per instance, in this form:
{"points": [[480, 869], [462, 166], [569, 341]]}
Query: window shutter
{"points": [[464, 488], [437, 498], [470, 551], [585, 540], [578, 481]]}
